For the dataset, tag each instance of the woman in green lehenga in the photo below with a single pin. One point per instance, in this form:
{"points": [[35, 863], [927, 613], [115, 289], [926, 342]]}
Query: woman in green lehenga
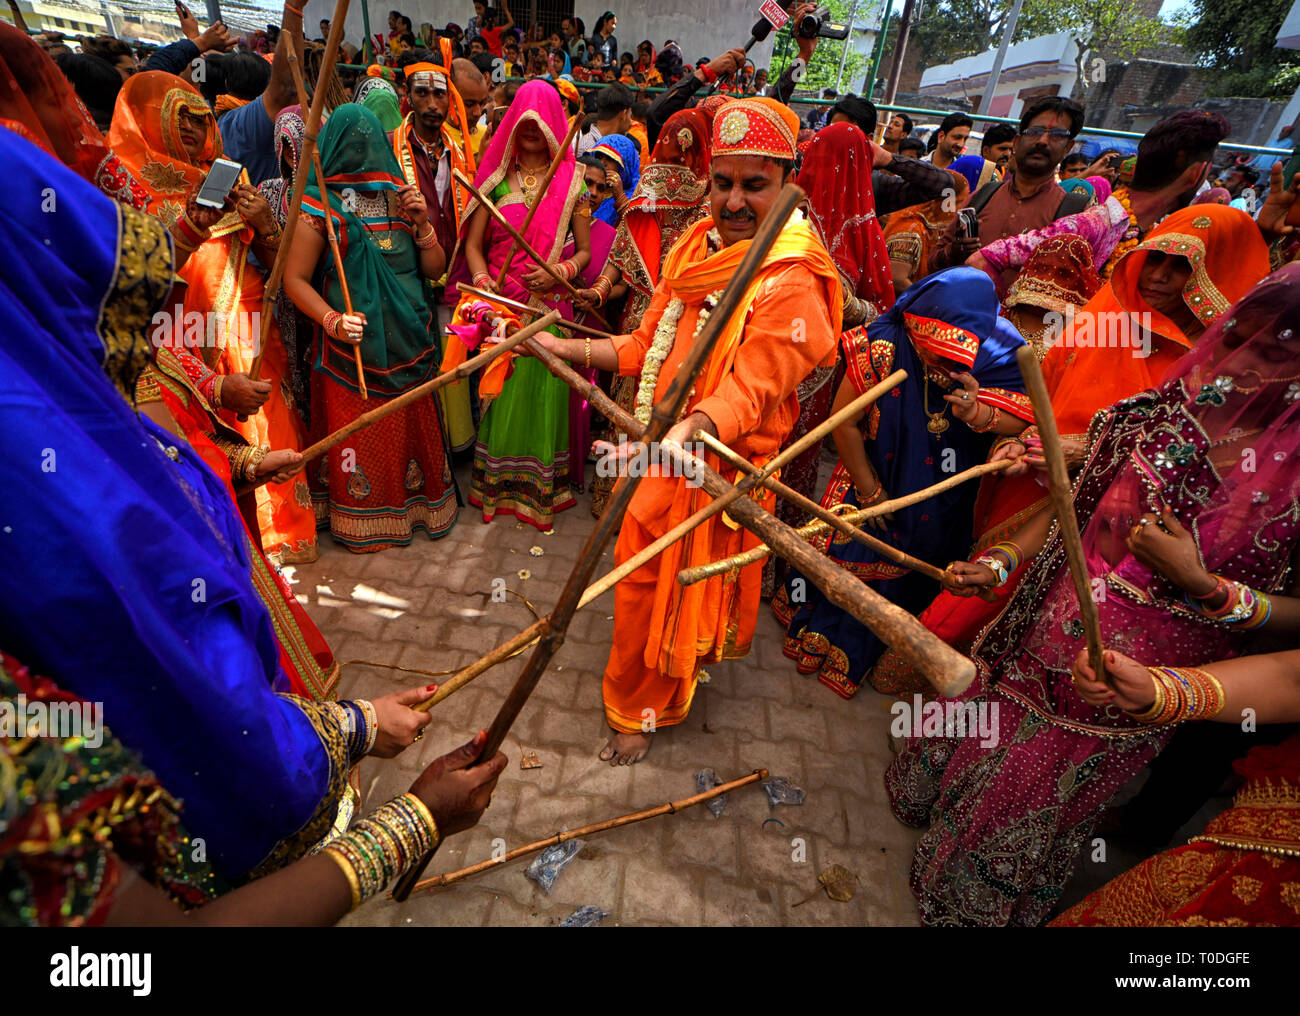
{"points": [[521, 460]]}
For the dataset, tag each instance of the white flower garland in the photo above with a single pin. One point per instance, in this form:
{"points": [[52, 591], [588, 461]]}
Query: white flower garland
{"points": [[665, 332]]}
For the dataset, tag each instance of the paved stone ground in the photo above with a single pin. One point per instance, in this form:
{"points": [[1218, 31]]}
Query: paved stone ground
{"points": [[429, 606]]}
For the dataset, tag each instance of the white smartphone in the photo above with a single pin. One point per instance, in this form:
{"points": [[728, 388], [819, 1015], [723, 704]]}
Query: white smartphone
{"points": [[220, 180]]}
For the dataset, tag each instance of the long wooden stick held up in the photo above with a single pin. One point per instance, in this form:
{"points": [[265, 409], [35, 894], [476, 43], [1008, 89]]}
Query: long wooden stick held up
{"points": [[671, 808], [330, 234], [1059, 486], [560, 153], [504, 223], [689, 576], [391, 406], [272, 289], [756, 478], [661, 419]]}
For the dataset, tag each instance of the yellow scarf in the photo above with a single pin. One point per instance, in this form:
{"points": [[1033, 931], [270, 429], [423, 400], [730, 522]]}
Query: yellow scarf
{"points": [[691, 272]]}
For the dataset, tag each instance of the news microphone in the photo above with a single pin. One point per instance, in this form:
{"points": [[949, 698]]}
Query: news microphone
{"points": [[761, 30]]}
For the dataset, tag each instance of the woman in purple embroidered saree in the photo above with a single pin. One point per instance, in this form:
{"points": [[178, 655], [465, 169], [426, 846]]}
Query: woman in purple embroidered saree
{"points": [[1215, 444]]}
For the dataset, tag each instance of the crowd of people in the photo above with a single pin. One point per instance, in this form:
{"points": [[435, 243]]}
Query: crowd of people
{"points": [[158, 407]]}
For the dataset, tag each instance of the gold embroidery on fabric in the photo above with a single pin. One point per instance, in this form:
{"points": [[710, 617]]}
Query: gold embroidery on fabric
{"points": [[141, 281]]}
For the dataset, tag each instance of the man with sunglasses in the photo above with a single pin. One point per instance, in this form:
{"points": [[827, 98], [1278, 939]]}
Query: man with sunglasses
{"points": [[1029, 198]]}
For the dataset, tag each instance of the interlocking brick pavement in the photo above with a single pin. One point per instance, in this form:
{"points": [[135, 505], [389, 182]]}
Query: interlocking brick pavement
{"points": [[429, 606]]}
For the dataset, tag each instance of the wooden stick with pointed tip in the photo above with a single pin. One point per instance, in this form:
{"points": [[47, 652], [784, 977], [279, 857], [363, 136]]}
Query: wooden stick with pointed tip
{"points": [[312, 125], [1058, 477], [560, 153], [504, 223], [662, 419], [689, 576], [671, 808]]}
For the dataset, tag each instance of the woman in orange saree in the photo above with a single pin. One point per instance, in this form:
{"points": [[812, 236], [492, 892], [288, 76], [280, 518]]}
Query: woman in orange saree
{"points": [[1122, 342], [911, 233], [167, 136]]}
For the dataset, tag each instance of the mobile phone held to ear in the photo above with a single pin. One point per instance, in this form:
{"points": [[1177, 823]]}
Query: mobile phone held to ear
{"points": [[220, 180]]}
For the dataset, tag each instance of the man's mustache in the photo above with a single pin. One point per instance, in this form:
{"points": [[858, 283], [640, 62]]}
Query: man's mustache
{"points": [[744, 215]]}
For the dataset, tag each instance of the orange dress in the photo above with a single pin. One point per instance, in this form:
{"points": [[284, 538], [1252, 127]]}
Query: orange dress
{"points": [[747, 388]]}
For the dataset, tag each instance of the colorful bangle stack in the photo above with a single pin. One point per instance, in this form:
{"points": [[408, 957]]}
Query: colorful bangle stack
{"points": [[567, 269], [482, 280], [1243, 607], [330, 325], [216, 390], [359, 724], [1182, 694], [993, 422], [1014, 555], [186, 235], [428, 241], [876, 497], [603, 288], [256, 455], [381, 847]]}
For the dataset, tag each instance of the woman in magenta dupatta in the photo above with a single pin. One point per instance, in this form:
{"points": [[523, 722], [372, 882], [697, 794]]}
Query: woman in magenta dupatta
{"points": [[1010, 810], [521, 459]]}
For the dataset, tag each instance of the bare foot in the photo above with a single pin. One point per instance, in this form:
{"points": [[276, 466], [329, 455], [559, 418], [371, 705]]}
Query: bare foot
{"points": [[625, 749]]}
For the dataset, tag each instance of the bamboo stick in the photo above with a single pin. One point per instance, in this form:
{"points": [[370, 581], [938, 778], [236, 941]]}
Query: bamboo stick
{"points": [[834, 521], [484, 294], [392, 405], [718, 504], [272, 288], [560, 153], [330, 234], [671, 808], [689, 576], [504, 223], [1063, 501], [661, 419]]}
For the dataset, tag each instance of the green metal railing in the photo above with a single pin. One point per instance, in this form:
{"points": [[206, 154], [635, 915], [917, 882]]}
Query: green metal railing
{"points": [[939, 114]]}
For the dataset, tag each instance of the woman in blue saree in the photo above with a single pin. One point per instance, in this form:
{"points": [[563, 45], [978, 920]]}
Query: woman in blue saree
{"points": [[622, 157], [963, 388], [127, 575]]}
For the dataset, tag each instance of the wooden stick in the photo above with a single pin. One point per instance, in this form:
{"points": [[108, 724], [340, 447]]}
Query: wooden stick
{"points": [[560, 153], [671, 808], [391, 406], [485, 294], [1062, 500], [272, 288], [329, 223], [504, 223], [612, 578], [689, 576], [661, 419], [809, 505]]}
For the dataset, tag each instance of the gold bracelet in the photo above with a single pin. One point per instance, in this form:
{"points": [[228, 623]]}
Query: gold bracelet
{"points": [[255, 458], [587, 353], [349, 872], [1150, 714], [216, 391]]}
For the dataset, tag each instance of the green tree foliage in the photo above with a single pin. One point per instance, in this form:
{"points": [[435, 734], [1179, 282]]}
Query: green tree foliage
{"points": [[824, 66], [1238, 39]]}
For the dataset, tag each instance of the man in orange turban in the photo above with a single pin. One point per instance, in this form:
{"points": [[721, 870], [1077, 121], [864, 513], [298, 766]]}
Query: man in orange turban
{"points": [[786, 326]]}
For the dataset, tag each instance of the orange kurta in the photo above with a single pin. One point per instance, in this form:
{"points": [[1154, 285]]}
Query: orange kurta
{"points": [[663, 630]]}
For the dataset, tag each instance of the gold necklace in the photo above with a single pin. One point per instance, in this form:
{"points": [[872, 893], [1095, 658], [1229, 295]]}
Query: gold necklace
{"points": [[938, 421]]}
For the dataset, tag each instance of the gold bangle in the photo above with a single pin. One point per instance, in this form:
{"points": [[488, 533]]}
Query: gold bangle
{"points": [[216, 391], [349, 872], [1157, 707], [587, 353], [423, 810]]}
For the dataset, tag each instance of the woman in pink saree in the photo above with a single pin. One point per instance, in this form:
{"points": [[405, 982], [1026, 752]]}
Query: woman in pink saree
{"points": [[521, 459], [1200, 468]]}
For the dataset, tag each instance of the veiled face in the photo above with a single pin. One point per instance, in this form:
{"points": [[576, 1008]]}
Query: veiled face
{"points": [[1162, 280]]}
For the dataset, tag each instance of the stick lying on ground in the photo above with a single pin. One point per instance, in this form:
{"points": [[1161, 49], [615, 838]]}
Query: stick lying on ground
{"points": [[662, 418], [504, 223], [715, 506], [1062, 500], [272, 289], [523, 308], [689, 576], [560, 153], [671, 808], [392, 405]]}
